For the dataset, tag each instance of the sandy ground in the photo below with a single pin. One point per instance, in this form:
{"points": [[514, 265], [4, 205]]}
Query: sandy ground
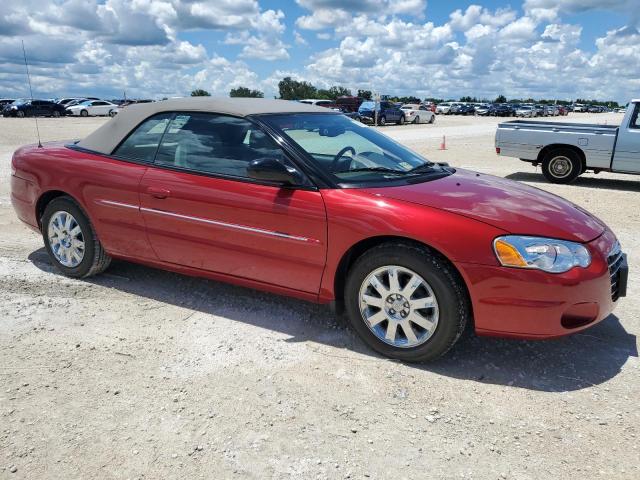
{"points": [[140, 373]]}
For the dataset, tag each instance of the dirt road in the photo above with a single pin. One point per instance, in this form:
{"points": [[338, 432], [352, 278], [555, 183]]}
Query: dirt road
{"points": [[140, 373]]}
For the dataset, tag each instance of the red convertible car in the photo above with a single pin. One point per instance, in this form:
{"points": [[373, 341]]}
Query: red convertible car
{"points": [[301, 201]]}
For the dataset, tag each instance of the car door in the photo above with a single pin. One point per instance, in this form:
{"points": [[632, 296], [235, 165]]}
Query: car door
{"points": [[99, 108], [626, 157], [203, 211]]}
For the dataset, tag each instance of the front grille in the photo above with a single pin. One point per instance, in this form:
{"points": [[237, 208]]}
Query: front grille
{"points": [[615, 260]]}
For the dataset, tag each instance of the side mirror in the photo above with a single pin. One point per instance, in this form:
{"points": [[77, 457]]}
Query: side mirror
{"points": [[271, 170]]}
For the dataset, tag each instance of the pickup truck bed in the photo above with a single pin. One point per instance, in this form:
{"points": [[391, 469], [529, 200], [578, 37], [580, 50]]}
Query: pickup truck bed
{"points": [[566, 150]]}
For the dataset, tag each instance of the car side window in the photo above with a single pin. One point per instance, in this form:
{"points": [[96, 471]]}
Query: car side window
{"points": [[635, 118], [142, 143], [216, 144]]}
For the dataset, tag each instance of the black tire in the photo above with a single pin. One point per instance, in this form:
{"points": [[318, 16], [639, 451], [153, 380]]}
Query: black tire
{"points": [[84, 113], [447, 286], [417, 119], [20, 114], [382, 121], [432, 119], [95, 260], [112, 113], [56, 114], [401, 121], [562, 165]]}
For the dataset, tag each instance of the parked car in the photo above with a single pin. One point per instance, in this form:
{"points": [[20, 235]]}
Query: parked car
{"points": [[526, 111], [567, 150], [320, 103], [502, 110], [595, 109], [430, 106], [463, 109], [415, 113], [5, 101], [563, 110], [324, 209], [349, 102], [93, 108], [69, 101], [579, 107], [387, 113], [444, 108], [352, 115], [25, 107], [540, 110], [483, 109]]}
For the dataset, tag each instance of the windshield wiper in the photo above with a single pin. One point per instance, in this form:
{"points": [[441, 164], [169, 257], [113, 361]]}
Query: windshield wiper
{"points": [[374, 169], [425, 167]]}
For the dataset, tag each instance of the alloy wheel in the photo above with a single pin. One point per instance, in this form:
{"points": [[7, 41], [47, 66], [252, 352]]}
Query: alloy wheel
{"points": [[398, 306], [66, 239]]}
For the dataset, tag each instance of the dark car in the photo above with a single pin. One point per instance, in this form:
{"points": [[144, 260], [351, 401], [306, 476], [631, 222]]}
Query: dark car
{"points": [[465, 110], [388, 112], [349, 113], [351, 104], [501, 110], [24, 107]]}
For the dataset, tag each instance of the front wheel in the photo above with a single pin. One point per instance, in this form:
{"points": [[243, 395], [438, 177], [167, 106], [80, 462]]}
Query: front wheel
{"points": [[416, 120], [432, 119], [20, 114], [406, 302], [401, 121], [382, 121], [84, 113], [562, 166], [70, 240]]}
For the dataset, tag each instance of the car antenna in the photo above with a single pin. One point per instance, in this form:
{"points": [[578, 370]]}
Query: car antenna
{"points": [[26, 66]]}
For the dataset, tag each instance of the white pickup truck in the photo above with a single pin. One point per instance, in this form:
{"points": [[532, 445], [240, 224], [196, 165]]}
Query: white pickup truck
{"points": [[567, 150]]}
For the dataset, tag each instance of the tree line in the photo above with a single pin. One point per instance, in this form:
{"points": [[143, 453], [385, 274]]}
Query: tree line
{"points": [[290, 89]]}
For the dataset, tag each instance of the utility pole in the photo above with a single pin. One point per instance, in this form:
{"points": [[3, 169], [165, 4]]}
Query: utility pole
{"points": [[376, 97]]}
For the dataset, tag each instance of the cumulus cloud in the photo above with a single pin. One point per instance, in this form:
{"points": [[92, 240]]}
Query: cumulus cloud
{"points": [[389, 46]]}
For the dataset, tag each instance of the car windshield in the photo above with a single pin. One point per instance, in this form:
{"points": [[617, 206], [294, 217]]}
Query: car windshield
{"points": [[20, 101], [349, 151], [368, 105]]}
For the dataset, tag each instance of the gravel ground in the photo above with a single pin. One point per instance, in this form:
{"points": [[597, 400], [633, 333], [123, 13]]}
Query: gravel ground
{"points": [[140, 373]]}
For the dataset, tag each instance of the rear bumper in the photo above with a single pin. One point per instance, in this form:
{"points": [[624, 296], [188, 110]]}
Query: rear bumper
{"points": [[532, 304], [23, 198]]}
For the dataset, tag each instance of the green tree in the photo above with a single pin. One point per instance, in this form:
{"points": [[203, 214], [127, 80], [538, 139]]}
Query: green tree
{"points": [[501, 99], [245, 92], [366, 94], [291, 89], [198, 92]]}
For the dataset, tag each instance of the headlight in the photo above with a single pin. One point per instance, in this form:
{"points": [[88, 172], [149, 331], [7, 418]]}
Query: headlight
{"points": [[547, 254]]}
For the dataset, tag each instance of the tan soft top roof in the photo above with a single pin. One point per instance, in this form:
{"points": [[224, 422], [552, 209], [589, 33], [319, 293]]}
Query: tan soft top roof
{"points": [[106, 138]]}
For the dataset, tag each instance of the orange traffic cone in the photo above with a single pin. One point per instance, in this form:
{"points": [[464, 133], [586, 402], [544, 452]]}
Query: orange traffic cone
{"points": [[443, 144]]}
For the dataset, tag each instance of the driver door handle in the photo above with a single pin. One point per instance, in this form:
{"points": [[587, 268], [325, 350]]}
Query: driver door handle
{"points": [[157, 192]]}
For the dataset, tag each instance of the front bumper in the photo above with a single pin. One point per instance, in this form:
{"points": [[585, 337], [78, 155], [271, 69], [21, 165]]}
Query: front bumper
{"points": [[531, 304]]}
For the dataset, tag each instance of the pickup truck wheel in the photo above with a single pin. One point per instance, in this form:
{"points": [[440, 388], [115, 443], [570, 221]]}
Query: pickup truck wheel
{"points": [[406, 302], [71, 241], [562, 166]]}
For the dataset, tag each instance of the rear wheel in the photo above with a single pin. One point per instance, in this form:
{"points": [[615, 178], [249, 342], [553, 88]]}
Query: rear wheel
{"points": [[416, 120], [56, 113], [432, 119], [406, 302], [401, 121], [562, 166], [71, 241]]}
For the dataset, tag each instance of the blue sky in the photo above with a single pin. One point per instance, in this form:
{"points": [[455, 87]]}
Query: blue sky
{"points": [[155, 48]]}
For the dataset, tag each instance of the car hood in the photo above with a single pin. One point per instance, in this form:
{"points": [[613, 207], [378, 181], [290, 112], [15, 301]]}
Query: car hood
{"points": [[505, 204]]}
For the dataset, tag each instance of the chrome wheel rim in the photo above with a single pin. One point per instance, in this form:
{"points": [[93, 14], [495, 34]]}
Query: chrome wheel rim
{"points": [[398, 306], [561, 167], [66, 239]]}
